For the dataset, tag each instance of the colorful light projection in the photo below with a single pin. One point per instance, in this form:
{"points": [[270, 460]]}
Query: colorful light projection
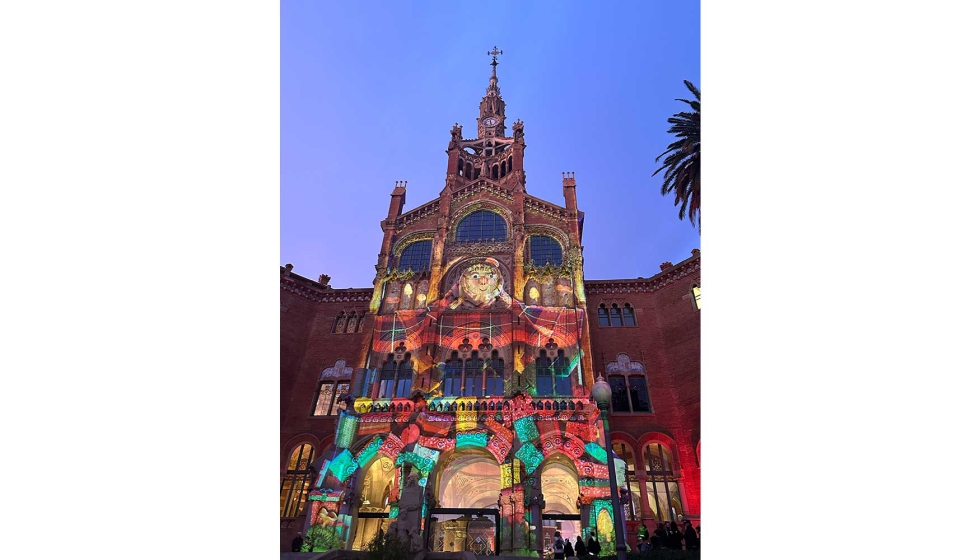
{"points": [[537, 327], [471, 439], [596, 451], [346, 429], [526, 430], [343, 465], [530, 456]]}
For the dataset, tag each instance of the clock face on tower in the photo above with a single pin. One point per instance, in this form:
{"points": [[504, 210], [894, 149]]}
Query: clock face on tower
{"points": [[489, 121]]}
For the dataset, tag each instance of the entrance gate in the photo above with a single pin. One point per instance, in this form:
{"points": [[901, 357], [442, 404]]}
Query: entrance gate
{"points": [[569, 525], [464, 529]]}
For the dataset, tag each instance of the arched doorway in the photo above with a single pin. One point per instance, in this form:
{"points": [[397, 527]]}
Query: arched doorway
{"points": [[559, 484], [375, 493], [467, 487]]}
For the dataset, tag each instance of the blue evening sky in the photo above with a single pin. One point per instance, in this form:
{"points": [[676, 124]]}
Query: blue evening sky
{"points": [[370, 90]]}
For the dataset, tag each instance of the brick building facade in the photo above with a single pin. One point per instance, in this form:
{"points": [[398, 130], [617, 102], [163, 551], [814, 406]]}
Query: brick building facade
{"points": [[449, 402]]}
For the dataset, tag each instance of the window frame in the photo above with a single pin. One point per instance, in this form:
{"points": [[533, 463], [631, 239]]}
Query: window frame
{"points": [[427, 261], [554, 244], [292, 475], [464, 227]]}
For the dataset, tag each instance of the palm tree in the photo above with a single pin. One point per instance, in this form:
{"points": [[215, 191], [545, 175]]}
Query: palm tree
{"points": [[683, 162]]}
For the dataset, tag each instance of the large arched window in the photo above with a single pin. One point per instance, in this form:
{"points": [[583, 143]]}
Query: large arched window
{"points": [[416, 256], [481, 225], [545, 250], [625, 452], [296, 482], [663, 494]]}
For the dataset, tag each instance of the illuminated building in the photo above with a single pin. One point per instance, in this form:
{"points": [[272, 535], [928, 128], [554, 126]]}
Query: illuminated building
{"points": [[450, 402]]}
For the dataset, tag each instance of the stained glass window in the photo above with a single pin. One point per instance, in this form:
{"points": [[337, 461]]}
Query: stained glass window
{"points": [[330, 397], [296, 482], [323, 397], [416, 256], [481, 225], [545, 250]]}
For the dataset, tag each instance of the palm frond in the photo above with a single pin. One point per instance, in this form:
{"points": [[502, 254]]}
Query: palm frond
{"points": [[682, 165]]}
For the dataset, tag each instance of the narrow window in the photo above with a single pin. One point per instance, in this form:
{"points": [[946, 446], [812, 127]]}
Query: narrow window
{"points": [[296, 482], [387, 390], [629, 318], [639, 397], [663, 494], [473, 376], [620, 395], [495, 375], [696, 292], [542, 366], [626, 454], [323, 396], [341, 392], [404, 386], [603, 316], [453, 376], [617, 317], [563, 378]]}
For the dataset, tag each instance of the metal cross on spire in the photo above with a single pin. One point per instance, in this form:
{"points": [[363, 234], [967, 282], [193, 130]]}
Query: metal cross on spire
{"points": [[494, 52]]}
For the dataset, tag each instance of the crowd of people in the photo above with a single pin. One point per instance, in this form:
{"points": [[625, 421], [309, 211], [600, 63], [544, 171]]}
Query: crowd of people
{"points": [[564, 549], [670, 536], [666, 535]]}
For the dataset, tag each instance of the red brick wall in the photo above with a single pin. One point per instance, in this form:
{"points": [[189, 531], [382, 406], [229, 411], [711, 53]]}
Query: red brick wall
{"points": [[666, 341]]}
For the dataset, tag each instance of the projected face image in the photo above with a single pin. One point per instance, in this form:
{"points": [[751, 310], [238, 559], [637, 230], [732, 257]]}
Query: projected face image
{"points": [[481, 283]]}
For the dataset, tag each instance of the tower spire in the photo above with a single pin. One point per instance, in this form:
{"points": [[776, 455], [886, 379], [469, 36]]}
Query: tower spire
{"points": [[491, 119], [493, 88]]}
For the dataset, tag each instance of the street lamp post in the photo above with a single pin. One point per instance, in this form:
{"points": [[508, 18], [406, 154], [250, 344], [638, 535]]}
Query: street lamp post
{"points": [[602, 394]]}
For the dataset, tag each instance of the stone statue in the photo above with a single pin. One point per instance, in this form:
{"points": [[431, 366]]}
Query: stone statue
{"points": [[410, 505], [416, 543]]}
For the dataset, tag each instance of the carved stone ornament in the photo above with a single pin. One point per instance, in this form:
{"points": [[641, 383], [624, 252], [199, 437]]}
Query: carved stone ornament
{"points": [[480, 248]]}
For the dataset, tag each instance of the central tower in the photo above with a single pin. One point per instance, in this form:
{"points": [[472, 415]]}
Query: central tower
{"points": [[472, 409]]}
